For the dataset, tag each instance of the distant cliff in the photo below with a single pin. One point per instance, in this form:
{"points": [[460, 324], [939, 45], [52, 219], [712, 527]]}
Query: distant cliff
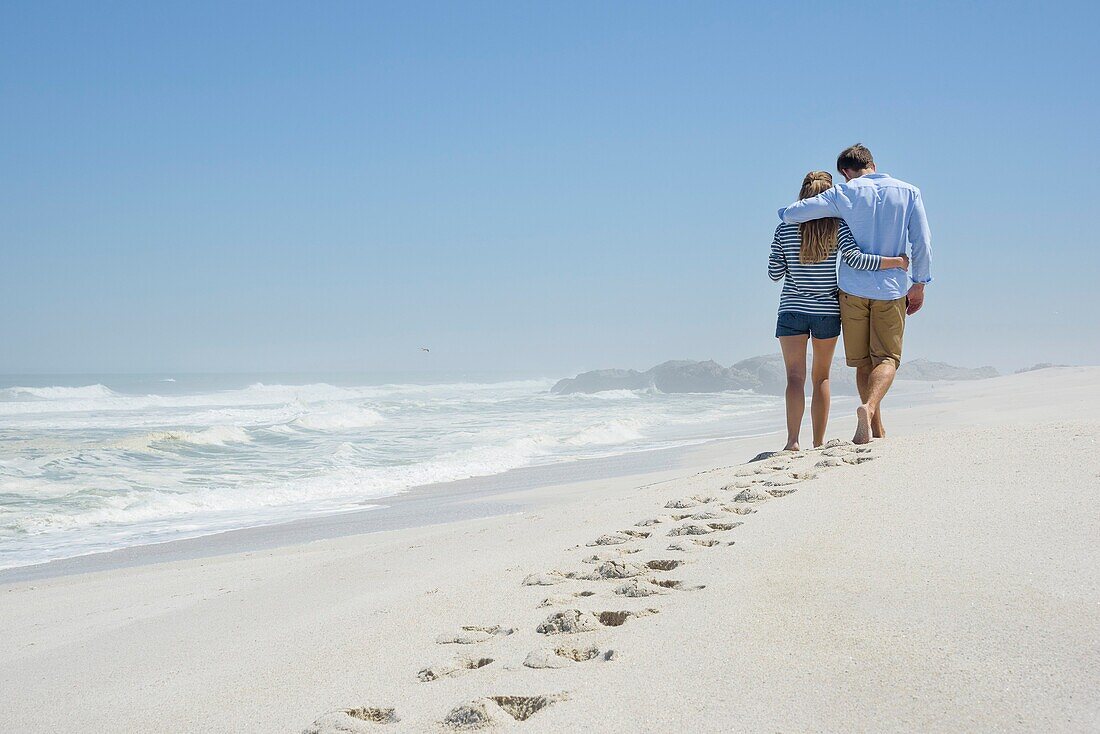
{"points": [[1040, 366], [764, 374], [922, 369], [670, 377]]}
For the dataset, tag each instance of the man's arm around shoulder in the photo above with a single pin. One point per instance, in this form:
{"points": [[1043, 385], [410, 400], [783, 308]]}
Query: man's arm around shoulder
{"points": [[816, 207]]}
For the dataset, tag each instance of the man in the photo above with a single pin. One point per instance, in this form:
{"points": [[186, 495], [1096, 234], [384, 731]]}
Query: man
{"points": [[885, 215]]}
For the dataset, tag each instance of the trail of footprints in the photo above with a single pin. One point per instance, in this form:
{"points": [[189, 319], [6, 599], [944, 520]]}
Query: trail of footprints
{"points": [[691, 524]]}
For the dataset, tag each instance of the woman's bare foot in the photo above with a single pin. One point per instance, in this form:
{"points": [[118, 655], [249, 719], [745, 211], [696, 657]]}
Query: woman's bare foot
{"points": [[791, 446], [863, 425]]}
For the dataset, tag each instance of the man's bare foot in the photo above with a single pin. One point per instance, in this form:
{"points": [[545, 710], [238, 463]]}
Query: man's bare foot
{"points": [[863, 425], [877, 429], [792, 446]]}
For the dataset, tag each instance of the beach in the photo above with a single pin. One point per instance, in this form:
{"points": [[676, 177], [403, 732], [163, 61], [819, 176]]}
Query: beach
{"points": [[944, 579]]}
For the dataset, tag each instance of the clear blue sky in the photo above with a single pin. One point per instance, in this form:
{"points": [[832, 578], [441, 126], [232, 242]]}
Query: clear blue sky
{"points": [[523, 186]]}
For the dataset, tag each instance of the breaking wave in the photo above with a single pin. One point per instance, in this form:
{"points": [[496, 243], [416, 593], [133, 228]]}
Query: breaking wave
{"points": [[339, 419], [213, 436], [56, 392]]}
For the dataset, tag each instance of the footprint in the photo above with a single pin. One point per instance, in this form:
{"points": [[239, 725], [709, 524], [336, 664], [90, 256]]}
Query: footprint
{"points": [[690, 529], [563, 599], [782, 491], [607, 556], [569, 622], [637, 588], [482, 713], [610, 539], [448, 671], [752, 494], [664, 565], [688, 502], [618, 618], [649, 521], [837, 451], [574, 621], [772, 468], [708, 515], [833, 443], [549, 578], [694, 544], [582, 654], [739, 509], [615, 570], [857, 459], [563, 657], [780, 482], [678, 585], [803, 476], [473, 634], [826, 463], [351, 721], [640, 534], [722, 526]]}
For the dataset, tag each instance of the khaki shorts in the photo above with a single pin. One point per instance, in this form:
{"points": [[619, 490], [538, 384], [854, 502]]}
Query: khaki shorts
{"points": [[873, 330]]}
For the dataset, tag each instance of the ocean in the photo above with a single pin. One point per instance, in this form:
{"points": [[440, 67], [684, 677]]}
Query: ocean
{"points": [[97, 463]]}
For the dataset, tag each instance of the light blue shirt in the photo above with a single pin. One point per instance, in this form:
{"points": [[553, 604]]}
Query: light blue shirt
{"points": [[886, 217]]}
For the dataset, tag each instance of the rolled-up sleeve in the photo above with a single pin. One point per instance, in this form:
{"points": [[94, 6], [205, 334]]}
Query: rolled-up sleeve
{"points": [[920, 243]]}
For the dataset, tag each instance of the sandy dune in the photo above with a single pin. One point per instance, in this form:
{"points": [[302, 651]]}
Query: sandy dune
{"points": [[945, 579]]}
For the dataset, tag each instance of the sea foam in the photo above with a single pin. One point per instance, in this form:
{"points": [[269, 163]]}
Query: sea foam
{"points": [[100, 466]]}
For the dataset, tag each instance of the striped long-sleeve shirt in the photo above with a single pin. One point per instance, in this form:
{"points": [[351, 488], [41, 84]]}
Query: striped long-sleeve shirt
{"points": [[812, 288]]}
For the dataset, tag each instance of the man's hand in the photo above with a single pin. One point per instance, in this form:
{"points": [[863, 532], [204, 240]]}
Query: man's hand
{"points": [[905, 262], [914, 299]]}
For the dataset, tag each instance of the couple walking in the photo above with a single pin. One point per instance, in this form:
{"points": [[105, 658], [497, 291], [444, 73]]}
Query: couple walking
{"points": [[867, 223]]}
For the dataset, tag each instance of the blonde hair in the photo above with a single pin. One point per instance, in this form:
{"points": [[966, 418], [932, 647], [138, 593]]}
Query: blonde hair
{"points": [[818, 235]]}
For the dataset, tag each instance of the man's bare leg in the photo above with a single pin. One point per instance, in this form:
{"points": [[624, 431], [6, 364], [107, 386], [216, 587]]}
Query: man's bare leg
{"points": [[877, 429], [863, 382], [878, 383], [863, 385]]}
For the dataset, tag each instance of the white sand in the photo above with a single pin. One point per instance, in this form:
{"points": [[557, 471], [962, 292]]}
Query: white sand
{"points": [[951, 584]]}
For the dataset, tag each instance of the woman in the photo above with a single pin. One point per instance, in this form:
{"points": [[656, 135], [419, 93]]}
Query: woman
{"points": [[804, 256]]}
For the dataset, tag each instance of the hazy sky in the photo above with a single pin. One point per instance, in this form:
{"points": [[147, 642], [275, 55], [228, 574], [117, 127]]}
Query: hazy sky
{"points": [[554, 186]]}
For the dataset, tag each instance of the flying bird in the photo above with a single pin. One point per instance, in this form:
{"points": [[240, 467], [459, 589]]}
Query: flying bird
{"points": [[425, 349]]}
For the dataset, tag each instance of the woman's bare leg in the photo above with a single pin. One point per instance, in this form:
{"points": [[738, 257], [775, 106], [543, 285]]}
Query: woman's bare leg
{"points": [[819, 408], [794, 357]]}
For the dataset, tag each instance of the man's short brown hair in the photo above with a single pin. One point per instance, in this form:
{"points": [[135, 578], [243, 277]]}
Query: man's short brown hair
{"points": [[854, 158]]}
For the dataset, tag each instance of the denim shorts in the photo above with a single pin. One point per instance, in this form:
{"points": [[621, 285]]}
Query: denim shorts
{"points": [[794, 323]]}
